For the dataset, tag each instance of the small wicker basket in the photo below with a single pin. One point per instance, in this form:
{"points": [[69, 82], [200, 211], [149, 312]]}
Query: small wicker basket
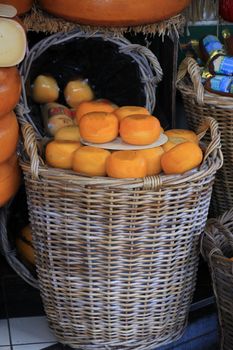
{"points": [[116, 258], [198, 105], [217, 249]]}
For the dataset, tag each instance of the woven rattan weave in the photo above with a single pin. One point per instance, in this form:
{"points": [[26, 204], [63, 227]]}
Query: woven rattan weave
{"points": [[116, 259], [198, 105], [217, 249]]}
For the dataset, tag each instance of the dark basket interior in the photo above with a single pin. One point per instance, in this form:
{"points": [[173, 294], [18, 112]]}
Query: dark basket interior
{"points": [[111, 74]]}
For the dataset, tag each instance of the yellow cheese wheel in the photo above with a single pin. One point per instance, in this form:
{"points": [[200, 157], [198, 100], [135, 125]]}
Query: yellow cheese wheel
{"points": [[13, 42], [77, 91], [45, 89]]}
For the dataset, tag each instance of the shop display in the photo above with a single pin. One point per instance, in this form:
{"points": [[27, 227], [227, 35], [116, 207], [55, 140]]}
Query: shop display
{"points": [[68, 110], [114, 12]]}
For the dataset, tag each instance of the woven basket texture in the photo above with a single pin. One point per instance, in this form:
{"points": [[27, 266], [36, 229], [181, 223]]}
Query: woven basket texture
{"points": [[217, 249], [198, 105], [10, 253], [116, 258]]}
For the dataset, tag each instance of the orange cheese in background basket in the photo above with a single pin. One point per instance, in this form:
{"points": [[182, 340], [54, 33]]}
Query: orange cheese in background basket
{"points": [[68, 133], [126, 164], [10, 89], [140, 129], [153, 159], [100, 105], [10, 178], [45, 89], [9, 135], [99, 127], [181, 158], [59, 154], [90, 161], [188, 135], [77, 91], [176, 136], [125, 111], [24, 245]]}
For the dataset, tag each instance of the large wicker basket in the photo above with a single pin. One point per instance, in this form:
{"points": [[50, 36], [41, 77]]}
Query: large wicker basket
{"points": [[217, 249], [198, 105], [116, 259]]}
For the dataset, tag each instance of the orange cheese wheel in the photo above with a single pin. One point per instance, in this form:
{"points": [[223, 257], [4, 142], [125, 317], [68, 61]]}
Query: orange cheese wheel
{"points": [[126, 164], [10, 89], [114, 12], [21, 6], [9, 179], [9, 135]]}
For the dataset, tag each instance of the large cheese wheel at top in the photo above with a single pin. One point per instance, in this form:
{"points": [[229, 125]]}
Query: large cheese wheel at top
{"points": [[115, 12], [10, 89], [9, 135], [21, 6]]}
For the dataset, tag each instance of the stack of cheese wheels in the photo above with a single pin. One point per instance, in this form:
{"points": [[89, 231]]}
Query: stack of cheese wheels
{"points": [[122, 142], [12, 51]]}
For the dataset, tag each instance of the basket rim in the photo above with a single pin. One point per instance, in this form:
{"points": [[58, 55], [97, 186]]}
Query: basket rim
{"points": [[149, 182], [189, 83], [150, 71]]}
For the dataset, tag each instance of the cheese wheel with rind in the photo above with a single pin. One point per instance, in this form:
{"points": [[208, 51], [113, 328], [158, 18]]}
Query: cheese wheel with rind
{"points": [[13, 42]]}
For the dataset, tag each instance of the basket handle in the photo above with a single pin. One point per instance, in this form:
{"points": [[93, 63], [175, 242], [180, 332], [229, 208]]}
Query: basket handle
{"points": [[214, 147], [152, 59], [32, 149], [218, 224], [190, 66]]}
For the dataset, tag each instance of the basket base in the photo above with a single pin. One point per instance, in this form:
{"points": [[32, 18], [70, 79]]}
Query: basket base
{"points": [[147, 344]]}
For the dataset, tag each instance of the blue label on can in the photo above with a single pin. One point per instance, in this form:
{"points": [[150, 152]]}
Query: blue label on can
{"points": [[221, 83], [211, 44], [226, 66]]}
